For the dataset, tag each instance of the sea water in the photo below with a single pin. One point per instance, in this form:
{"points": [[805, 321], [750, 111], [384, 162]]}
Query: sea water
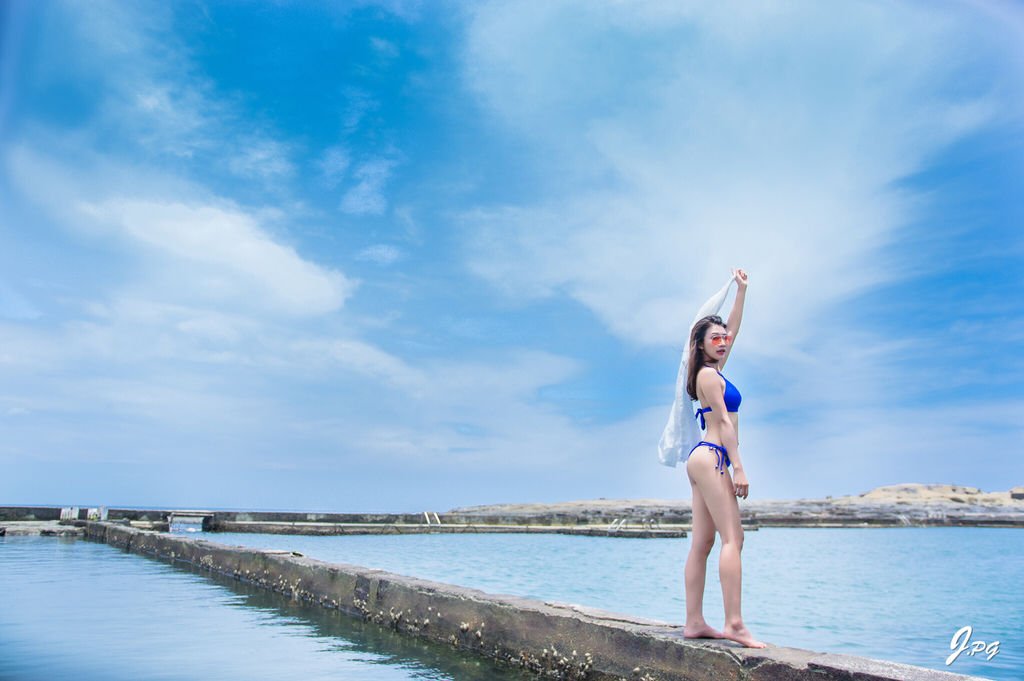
{"points": [[898, 594], [80, 611], [75, 609]]}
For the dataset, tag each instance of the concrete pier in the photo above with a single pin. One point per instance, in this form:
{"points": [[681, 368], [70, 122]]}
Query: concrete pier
{"points": [[285, 522], [608, 518], [563, 641], [326, 528]]}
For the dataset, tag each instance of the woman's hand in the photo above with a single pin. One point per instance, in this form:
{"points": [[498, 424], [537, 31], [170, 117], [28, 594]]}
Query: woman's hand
{"points": [[740, 277], [740, 485]]}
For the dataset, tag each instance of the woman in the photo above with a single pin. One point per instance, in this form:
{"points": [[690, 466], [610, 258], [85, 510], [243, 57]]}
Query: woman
{"points": [[714, 492]]}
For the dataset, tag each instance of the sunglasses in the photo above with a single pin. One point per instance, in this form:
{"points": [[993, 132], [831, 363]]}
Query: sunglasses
{"points": [[719, 339]]}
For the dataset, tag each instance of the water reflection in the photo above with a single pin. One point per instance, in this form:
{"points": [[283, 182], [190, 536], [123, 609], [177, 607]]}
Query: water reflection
{"points": [[375, 644], [80, 610], [840, 590]]}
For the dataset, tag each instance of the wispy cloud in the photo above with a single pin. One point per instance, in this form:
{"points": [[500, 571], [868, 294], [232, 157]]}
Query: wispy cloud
{"points": [[192, 305], [774, 137], [204, 325], [360, 105], [334, 163], [159, 98], [232, 256], [746, 165], [202, 247], [262, 158], [382, 254], [367, 196], [385, 49]]}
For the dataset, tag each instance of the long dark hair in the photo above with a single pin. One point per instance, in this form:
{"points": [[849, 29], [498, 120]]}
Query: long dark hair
{"points": [[697, 357]]}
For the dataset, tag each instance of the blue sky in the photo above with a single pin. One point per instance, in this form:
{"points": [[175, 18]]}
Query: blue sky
{"points": [[406, 256]]}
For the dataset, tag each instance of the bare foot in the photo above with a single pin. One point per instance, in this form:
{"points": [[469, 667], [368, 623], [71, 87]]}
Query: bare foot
{"points": [[741, 635], [704, 630]]}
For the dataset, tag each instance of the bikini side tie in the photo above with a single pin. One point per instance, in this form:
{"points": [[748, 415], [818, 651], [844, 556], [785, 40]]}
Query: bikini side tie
{"points": [[700, 415], [721, 455]]}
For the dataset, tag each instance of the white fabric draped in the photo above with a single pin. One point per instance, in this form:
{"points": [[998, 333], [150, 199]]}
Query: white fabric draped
{"points": [[681, 432]]}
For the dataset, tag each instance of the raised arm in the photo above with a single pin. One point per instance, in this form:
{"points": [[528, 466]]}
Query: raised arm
{"points": [[736, 314]]}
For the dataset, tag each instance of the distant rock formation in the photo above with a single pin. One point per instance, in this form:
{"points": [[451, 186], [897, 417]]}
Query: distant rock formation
{"points": [[921, 493], [912, 494]]}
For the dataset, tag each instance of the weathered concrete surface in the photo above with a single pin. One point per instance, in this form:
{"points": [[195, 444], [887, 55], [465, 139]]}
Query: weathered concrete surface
{"points": [[919, 506], [29, 513], [308, 528], [216, 517], [270, 522], [895, 506], [45, 528], [566, 641]]}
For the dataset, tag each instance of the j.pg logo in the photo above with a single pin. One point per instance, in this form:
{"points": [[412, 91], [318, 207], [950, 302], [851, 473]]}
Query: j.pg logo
{"points": [[962, 642]]}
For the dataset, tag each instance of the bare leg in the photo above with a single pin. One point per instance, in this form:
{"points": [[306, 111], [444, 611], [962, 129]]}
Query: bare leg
{"points": [[719, 497], [702, 538]]}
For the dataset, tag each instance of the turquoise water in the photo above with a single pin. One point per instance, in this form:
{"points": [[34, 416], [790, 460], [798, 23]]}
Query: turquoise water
{"points": [[76, 610], [895, 594]]}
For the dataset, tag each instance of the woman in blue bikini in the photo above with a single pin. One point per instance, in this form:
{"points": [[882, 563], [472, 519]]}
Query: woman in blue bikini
{"points": [[714, 492]]}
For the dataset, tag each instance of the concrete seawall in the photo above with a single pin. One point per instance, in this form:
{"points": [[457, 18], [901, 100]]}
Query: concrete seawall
{"points": [[329, 528], [562, 640], [284, 522], [617, 519], [38, 513]]}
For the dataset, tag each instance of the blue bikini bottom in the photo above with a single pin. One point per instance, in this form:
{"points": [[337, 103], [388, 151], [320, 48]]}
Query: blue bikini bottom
{"points": [[720, 454]]}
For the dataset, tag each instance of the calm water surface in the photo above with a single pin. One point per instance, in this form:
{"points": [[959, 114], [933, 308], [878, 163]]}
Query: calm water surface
{"points": [[77, 610], [889, 593]]}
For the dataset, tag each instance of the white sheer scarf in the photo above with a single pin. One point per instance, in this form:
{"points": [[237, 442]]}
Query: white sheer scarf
{"points": [[682, 433]]}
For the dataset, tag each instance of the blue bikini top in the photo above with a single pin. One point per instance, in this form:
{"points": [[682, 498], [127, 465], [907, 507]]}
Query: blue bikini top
{"points": [[732, 401]]}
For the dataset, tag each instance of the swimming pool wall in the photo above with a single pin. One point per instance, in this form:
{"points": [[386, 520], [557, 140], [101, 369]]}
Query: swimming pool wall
{"points": [[563, 641]]}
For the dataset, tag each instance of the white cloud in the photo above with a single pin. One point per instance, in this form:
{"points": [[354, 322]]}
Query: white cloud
{"points": [[333, 165], [656, 148], [450, 415], [768, 138], [206, 377], [382, 254], [196, 247], [367, 196], [407, 10], [237, 259], [360, 104], [679, 140], [385, 49], [152, 93], [262, 158], [358, 356]]}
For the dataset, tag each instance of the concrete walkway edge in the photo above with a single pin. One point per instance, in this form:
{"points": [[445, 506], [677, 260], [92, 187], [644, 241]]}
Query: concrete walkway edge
{"points": [[564, 641]]}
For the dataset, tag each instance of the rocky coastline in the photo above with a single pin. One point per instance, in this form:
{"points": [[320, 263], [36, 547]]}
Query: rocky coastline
{"points": [[906, 504], [903, 505]]}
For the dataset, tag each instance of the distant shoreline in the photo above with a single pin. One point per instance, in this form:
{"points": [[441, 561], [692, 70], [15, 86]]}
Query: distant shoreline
{"points": [[930, 496], [909, 504]]}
